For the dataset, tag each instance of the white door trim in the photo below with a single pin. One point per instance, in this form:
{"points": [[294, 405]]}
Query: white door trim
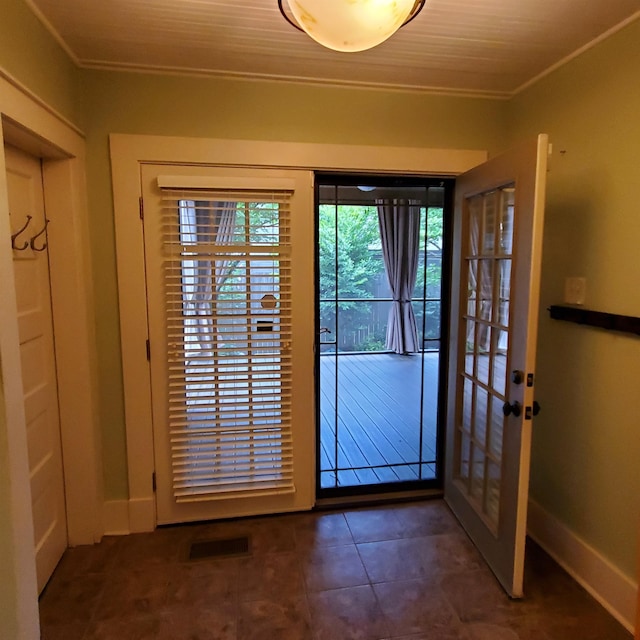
{"points": [[30, 124], [128, 152]]}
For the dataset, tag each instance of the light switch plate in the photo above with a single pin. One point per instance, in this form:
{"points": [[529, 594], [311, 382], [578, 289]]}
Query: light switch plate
{"points": [[575, 290]]}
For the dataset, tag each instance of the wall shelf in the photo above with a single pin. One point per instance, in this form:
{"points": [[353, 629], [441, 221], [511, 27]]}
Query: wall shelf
{"points": [[599, 319]]}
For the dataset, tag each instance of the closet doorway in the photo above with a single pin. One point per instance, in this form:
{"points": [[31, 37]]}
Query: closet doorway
{"points": [[38, 358]]}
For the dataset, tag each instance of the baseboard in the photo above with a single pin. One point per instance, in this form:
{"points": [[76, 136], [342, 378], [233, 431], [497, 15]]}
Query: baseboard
{"points": [[605, 582], [122, 517], [115, 514], [142, 515]]}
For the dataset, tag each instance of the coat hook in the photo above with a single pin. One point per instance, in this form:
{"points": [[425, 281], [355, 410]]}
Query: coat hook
{"points": [[33, 240], [17, 233]]}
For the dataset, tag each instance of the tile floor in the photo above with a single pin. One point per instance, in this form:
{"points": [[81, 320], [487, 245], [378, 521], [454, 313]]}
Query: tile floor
{"points": [[405, 572]]}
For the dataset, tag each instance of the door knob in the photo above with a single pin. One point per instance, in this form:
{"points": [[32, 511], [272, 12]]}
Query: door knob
{"points": [[536, 407], [515, 409]]}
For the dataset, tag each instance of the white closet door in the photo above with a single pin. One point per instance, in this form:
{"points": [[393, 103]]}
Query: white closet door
{"points": [[33, 292]]}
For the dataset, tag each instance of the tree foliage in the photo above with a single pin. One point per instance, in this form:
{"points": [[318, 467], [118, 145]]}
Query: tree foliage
{"points": [[352, 267]]}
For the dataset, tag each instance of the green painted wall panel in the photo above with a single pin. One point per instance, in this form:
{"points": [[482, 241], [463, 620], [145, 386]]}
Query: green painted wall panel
{"points": [[31, 55], [586, 445]]}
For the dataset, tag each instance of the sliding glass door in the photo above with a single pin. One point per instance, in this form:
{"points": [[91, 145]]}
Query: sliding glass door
{"points": [[382, 272]]}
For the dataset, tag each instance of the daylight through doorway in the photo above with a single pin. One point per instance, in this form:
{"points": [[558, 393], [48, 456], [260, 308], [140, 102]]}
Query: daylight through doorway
{"points": [[382, 272]]}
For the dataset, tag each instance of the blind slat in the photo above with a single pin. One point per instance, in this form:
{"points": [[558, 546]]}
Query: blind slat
{"points": [[227, 271]]}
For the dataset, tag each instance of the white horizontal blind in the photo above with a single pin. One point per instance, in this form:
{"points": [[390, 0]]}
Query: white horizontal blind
{"points": [[227, 259]]}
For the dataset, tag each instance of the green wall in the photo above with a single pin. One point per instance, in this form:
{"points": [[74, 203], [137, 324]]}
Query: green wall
{"points": [[586, 447], [206, 107], [30, 54]]}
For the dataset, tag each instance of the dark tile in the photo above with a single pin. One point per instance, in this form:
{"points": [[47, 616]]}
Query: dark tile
{"points": [[70, 631], [371, 525], [202, 584], [322, 530], [477, 596], [332, 568], [97, 558], [269, 576], [453, 633], [549, 588], [485, 631], [287, 619], [525, 627], [391, 560], [305, 578], [415, 606], [147, 627], [453, 553], [133, 593], [272, 535], [596, 625], [71, 600], [141, 550], [199, 623], [431, 517], [348, 614]]}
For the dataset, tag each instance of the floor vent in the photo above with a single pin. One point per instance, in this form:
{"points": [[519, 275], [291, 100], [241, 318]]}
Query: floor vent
{"points": [[227, 547]]}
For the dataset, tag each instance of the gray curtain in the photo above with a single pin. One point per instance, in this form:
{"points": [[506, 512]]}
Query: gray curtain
{"points": [[399, 222]]}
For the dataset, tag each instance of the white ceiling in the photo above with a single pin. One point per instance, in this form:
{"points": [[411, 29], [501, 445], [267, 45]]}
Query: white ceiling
{"points": [[483, 47]]}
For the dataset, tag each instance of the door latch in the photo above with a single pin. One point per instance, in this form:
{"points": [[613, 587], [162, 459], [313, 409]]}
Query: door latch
{"points": [[509, 409]]}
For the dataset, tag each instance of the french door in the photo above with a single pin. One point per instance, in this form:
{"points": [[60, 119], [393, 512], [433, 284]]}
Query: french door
{"points": [[499, 213], [230, 339]]}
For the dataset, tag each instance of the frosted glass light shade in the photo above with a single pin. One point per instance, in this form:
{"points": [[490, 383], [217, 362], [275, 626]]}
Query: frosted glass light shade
{"points": [[351, 25]]}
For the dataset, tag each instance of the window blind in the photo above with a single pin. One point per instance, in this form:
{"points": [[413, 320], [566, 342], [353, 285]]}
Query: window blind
{"points": [[227, 282]]}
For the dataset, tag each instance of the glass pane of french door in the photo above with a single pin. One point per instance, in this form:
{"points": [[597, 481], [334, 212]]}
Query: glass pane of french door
{"points": [[378, 403], [489, 254]]}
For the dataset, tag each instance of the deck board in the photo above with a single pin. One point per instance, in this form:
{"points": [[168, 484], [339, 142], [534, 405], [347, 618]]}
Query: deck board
{"points": [[378, 417]]}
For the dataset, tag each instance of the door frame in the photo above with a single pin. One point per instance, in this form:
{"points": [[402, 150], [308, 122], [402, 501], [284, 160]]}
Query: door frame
{"points": [[29, 124], [127, 153]]}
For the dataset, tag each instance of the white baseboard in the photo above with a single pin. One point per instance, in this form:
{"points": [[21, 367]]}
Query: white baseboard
{"points": [[122, 517], [142, 515], [115, 516], [615, 591]]}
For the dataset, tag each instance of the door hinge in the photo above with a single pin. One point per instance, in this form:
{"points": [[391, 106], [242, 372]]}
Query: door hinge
{"points": [[148, 351], [141, 205], [530, 379], [153, 481]]}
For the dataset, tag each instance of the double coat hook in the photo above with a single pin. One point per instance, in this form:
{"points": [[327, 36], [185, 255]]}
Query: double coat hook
{"points": [[29, 243], [32, 242], [14, 237]]}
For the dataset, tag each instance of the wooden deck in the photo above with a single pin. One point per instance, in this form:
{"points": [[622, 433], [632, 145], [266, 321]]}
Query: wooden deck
{"points": [[378, 418]]}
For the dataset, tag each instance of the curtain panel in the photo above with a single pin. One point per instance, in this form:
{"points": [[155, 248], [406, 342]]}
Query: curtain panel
{"points": [[399, 222]]}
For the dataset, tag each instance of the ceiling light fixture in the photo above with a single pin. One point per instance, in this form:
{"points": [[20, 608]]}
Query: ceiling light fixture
{"points": [[349, 25]]}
